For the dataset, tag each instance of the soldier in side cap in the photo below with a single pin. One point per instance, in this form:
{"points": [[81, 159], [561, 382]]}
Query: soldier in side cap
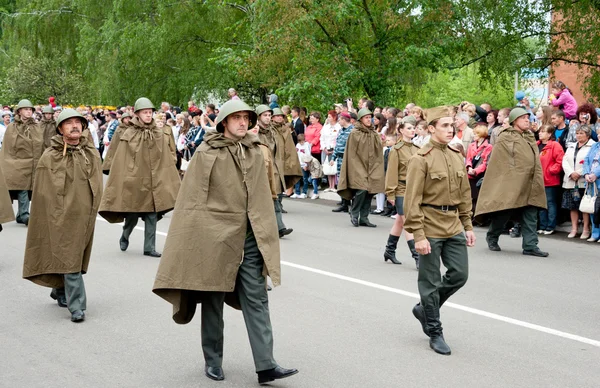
{"points": [[66, 197], [362, 174], [437, 206], [22, 148], [514, 184], [226, 197]]}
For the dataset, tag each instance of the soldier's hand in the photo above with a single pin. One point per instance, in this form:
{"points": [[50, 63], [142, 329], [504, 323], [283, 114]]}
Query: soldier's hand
{"points": [[423, 247], [470, 238]]}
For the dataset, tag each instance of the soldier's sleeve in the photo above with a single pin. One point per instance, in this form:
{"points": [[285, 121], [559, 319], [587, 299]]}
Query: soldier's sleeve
{"points": [[269, 166], [465, 208], [415, 181], [391, 176]]}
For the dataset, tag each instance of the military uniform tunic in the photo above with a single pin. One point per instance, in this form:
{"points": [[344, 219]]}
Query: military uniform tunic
{"points": [[395, 177]]}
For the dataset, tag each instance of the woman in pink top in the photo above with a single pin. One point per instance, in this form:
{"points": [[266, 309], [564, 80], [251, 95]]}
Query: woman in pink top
{"points": [[564, 98], [312, 135]]}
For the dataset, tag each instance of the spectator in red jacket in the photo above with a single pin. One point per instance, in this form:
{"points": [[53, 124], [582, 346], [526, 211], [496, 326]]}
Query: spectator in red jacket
{"points": [[312, 135], [551, 156], [478, 155]]}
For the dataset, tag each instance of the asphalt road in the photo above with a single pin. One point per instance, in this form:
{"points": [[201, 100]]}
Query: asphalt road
{"points": [[342, 316]]}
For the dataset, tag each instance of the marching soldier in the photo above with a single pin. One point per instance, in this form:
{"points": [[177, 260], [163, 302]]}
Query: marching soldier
{"points": [[67, 192], [48, 125], [226, 184], [437, 205], [143, 181], [22, 147]]}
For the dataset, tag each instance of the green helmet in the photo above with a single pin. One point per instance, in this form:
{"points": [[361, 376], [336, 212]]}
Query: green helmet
{"points": [[48, 109], [262, 109], [125, 115], [23, 104], [278, 112], [364, 112], [233, 106], [143, 103], [70, 113], [515, 114]]}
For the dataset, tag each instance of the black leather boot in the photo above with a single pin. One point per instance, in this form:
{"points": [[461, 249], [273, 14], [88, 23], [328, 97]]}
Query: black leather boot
{"points": [[390, 249], [434, 327], [419, 313], [413, 252], [343, 207]]}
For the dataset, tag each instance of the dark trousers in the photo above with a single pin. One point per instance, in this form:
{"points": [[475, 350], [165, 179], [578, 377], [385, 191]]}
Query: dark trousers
{"points": [[361, 205], [252, 293], [528, 217], [74, 290], [150, 220], [278, 208], [548, 217], [434, 288]]}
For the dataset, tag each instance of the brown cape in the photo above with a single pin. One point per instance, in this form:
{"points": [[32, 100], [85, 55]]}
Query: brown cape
{"points": [[49, 129], [22, 147], [217, 201], [514, 177], [144, 179], [6, 211], [291, 164], [112, 147], [362, 165], [66, 197]]}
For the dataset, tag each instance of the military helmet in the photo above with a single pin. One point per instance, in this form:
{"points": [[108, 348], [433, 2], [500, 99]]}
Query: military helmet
{"points": [[364, 112], [23, 104], [262, 109], [48, 109], [515, 114], [125, 115], [233, 106], [278, 112], [70, 113], [143, 103]]}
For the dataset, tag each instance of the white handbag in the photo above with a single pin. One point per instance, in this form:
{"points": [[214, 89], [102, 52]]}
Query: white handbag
{"points": [[328, 169], [588, 202]]}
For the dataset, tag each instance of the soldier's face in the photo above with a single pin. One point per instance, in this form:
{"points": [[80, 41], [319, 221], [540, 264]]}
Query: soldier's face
{"points": [[145, 115], [443, 132], [236, 125], [265, 118], [278, 119], [366, 120], [26, 112], [126, 120], [71, 130], [522, 123], [48, 116]]}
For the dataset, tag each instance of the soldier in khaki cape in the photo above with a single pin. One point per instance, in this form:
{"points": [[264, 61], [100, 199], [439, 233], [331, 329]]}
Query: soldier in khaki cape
{"points": [[143, 181], [48, 125], [226, 197], [514, 184], [437, 206], [66, 197], [362, 174], [6, 210], [395, 187], [22, 147]]}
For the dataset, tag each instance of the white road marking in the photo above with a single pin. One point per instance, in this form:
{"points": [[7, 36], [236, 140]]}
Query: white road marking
{"points": [[413, 295]]}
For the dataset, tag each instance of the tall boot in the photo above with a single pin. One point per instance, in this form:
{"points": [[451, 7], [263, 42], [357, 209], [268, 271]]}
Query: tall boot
{"points": [[413, 252], [390, 249], [343, 207], [434, 327]]}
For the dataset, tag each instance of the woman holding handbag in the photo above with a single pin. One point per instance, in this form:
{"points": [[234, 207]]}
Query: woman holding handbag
{"points": [[574, 181], [329, 134], [591, 171]]}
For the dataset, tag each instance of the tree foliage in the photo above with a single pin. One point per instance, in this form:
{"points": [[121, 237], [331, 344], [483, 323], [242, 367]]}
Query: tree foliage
{"points": [[310, 52]]}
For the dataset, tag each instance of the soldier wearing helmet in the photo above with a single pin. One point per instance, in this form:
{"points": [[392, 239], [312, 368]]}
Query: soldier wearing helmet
{"points": [[142, 179], [22, 147], [48, 124], [362, 175], [225, 198], [514, 184], [67, 192]]}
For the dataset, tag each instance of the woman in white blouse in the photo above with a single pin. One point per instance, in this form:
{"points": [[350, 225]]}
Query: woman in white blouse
{"points": [[329, 134]]}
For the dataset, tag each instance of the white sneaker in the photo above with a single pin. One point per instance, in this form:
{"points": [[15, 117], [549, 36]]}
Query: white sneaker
{"points": [[314, 196], [547, 232], [394, 216], [540, 231], [327, 190], [302, 196], [294, 196]]}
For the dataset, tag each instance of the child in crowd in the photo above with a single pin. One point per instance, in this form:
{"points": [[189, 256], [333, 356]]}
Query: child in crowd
{"points": [[302, 148], [422, 136]]}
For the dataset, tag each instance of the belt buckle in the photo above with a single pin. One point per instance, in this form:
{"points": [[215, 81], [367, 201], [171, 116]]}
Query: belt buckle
{"points": [[445, 208]]}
